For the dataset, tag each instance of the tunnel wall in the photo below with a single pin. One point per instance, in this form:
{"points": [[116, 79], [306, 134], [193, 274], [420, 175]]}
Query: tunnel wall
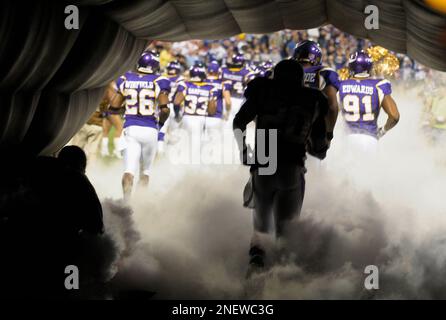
{"points": [[52, 78]]}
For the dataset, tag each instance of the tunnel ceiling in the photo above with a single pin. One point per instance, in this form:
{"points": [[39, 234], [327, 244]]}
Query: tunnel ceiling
{"points": [[52, 78]]}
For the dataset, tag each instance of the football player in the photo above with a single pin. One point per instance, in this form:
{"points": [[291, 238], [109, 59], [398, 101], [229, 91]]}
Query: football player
{"points": [[296, 114], [145, 95], [361, 98], [317, 76], [223, 95], [199, 100], [237, 74], [173, 73]]}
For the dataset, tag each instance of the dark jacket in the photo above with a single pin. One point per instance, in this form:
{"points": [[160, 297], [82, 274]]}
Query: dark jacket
{"points": [[298, 114]]}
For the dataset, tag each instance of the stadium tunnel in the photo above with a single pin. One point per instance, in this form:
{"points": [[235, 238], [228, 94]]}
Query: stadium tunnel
{"points": [[52, 79]]}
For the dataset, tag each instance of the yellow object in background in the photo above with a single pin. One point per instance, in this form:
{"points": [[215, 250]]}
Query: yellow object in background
{"points": [[241, 36], [438, 5], [385, 63], [344, 73]]}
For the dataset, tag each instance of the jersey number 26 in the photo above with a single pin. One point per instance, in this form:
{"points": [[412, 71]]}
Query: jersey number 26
{"points": [[142, 103]]}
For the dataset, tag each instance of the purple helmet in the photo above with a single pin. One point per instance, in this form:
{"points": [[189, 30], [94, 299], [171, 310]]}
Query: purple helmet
{"points": [[213, 67], [173, 68], [308, 51], [238, 60], [149, 62], [360, 62], [267, 65], [197, 73]]}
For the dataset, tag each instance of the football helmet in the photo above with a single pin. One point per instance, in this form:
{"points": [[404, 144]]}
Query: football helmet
{"points": [[149, 62], [173, 68], [308, 51], [213, 67], [238, 60], [197, 73], [360, 63]]}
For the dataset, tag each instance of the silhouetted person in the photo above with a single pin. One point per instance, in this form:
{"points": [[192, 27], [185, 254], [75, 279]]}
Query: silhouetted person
{"points": [[297, 113], [73, 157], [53, 218]]}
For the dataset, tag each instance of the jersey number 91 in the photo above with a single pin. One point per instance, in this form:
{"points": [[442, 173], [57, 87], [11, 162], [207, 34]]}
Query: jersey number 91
{"points": [[351, 104]]}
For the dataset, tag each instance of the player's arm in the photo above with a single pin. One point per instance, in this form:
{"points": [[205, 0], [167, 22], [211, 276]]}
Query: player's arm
{"points": [[393, 116], [212, 106], [163, 86], [246, 114], [318, 143], [212, 103], [177, 101], [333, 108], [331, 78], [163, 100], [227, 99], [179, 98]]}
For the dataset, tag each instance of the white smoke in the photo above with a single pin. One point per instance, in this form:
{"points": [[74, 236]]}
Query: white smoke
{"points": [[359, 210]]}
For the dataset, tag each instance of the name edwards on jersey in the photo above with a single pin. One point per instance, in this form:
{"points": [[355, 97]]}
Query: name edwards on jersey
{"points": [[357, 88]]}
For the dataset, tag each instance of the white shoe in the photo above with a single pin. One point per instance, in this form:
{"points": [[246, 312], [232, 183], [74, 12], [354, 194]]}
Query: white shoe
{"points": [[105, 153], [117, 154]]}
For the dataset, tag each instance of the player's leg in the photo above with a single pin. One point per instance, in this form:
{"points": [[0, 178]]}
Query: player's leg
{"points": [[192, 137], [262, 217], [149, 143], [213, 128], [289, 198], [106, 125], [132, 155], [288, 202], [116, 121], [236, 104]]}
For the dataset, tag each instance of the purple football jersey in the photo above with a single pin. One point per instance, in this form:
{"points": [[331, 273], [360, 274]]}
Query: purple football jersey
{"points": [[141, 92], [318, 77], [219, 86], [196, 97], [361, 102], [237, 76]]}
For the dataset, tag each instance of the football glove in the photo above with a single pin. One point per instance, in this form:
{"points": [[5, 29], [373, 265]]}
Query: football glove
{"points": [[381, 133]]}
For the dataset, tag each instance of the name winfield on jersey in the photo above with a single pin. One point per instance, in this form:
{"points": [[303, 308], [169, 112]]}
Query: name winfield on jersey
{"points": [[140, 92]]}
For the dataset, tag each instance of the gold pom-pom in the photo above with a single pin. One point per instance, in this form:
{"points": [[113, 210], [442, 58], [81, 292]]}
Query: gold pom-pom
{"points": [[385, 63], [344, 74]]}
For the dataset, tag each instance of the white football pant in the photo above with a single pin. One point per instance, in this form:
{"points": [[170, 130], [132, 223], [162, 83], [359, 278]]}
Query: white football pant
{"points": [[140, 147]]}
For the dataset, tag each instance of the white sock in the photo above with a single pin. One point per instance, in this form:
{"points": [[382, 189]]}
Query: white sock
{"points": [[116, 143], [105, 144]]}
